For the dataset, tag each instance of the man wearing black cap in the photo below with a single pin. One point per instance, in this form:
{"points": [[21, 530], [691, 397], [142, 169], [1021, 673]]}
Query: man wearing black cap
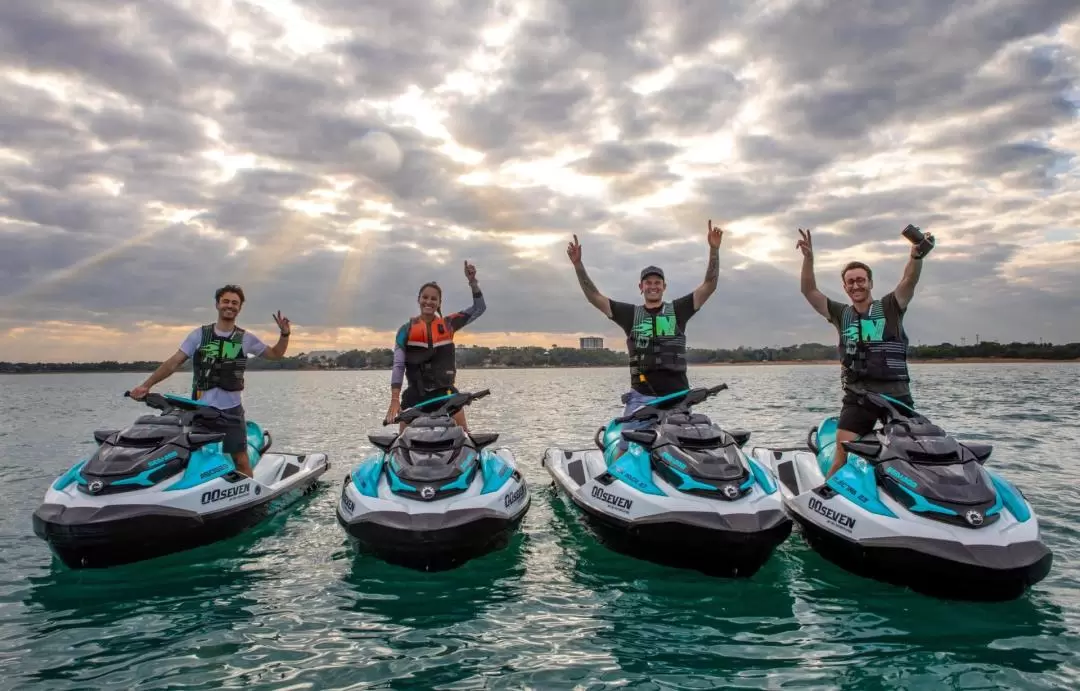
{"points": [[655, 331]]}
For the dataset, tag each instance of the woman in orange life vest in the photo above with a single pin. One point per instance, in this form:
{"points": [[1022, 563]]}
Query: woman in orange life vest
{"points": [[424, 349]]}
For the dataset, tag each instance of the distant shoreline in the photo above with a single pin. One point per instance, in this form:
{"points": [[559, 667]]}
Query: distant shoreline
{"points": [[90, 368], [911, 361]]}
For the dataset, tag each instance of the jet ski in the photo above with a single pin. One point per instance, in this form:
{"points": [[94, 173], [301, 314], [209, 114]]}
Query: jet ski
{"points": [[434, 496], [163, 485], [683, 494], [914, 507]]}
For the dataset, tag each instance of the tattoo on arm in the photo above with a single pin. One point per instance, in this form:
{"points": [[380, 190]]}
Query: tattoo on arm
{"points": [[712, 273], [586, 283]]}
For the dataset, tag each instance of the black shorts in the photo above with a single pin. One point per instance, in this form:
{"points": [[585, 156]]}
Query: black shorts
{"points": [[411, 396], [233, 423], [861, 419]]}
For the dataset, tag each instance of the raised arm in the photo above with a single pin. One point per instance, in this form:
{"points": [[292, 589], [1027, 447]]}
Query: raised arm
{"points": [[712, 271], [594, 296], [467, 316], [807, 282], [277, 351], [905, 289]]}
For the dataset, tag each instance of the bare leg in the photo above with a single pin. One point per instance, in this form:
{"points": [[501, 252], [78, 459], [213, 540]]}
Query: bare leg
{"points": [[243, 463], [839, 453], [459, 418]]}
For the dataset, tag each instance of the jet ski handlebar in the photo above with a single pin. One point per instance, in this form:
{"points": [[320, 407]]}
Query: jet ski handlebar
{"points": [[154, 400], [448, 407], [677, 404], [895, 409], [167, 404]]}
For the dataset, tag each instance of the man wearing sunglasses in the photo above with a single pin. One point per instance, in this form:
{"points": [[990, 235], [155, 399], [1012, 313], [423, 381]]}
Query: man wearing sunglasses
{"points": [[873, 344]]}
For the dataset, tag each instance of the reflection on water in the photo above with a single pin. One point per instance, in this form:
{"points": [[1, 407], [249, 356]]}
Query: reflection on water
{"points": [[293, 604]]}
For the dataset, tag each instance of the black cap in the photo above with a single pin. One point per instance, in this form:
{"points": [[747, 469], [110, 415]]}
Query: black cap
{"points": [[652, 270]]}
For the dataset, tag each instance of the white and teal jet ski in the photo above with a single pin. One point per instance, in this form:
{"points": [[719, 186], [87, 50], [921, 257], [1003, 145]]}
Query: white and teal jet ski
{"points": [[434, 496], [684, 494], [913, 506], [163, 485]]}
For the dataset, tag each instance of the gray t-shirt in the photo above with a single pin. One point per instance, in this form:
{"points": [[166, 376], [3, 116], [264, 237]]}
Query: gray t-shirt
{"points": [[220, 398]]}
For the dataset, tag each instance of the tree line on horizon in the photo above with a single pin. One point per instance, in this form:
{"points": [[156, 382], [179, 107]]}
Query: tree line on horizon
{"points": [[557, 356]]}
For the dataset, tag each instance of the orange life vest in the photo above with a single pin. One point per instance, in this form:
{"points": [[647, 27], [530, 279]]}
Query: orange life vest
{"points": [[430, 361]]}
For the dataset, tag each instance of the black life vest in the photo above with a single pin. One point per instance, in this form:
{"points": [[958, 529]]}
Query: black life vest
{"points": [[219, 362], [872, 347], [430, 360], [655, 343]]}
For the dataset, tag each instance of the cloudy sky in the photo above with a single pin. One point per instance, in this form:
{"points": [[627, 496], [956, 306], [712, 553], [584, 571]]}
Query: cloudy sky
{"points": [[332, 155]]}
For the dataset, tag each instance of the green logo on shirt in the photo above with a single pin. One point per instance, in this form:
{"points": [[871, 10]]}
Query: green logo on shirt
{"points": [[227, 351], [664, 326]]}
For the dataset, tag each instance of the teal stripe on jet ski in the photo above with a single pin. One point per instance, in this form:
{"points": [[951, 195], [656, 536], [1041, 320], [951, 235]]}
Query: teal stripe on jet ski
{"points": [[396, 483], [634, 469], [855, 479], [435, 400], [1013, 500], [70, 476], [761, 476], [890, 399], [188, 401], [921, 505], [206, 463], [663, 399], [496, 472], [366, 476], [463, 480]]}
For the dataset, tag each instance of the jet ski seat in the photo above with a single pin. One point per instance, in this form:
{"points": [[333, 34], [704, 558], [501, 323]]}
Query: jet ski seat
{"points": [[147, 435], [160, 420], [439, 435]]}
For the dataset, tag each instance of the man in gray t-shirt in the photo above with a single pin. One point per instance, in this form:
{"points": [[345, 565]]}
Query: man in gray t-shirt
{"points": [[220, 352]]}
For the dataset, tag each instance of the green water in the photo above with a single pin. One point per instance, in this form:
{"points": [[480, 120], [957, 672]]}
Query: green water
{"points": [[293, 606]]}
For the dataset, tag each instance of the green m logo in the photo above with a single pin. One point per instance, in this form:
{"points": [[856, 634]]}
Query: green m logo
{"points": [[230, 350], [872, 329], [664, 326]]}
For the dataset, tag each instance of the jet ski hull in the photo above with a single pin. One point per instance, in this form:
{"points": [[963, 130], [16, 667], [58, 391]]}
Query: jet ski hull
{"points": [[857, 525], [440, 534], [86, 531], [931, 567], [713, 536]]}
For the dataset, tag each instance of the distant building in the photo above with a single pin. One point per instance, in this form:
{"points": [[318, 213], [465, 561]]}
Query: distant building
{"points": [[321, 356], [591, 343]]}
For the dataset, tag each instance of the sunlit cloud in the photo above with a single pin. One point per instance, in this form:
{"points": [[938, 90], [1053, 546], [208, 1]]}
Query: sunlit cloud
{"points": [[332, 155]]}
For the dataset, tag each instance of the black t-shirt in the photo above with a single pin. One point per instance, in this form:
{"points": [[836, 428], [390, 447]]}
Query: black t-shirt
{"points": [[660, 383]]}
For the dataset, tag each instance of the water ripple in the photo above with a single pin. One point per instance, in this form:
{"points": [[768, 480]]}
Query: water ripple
{"points": [[292, 605]]}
